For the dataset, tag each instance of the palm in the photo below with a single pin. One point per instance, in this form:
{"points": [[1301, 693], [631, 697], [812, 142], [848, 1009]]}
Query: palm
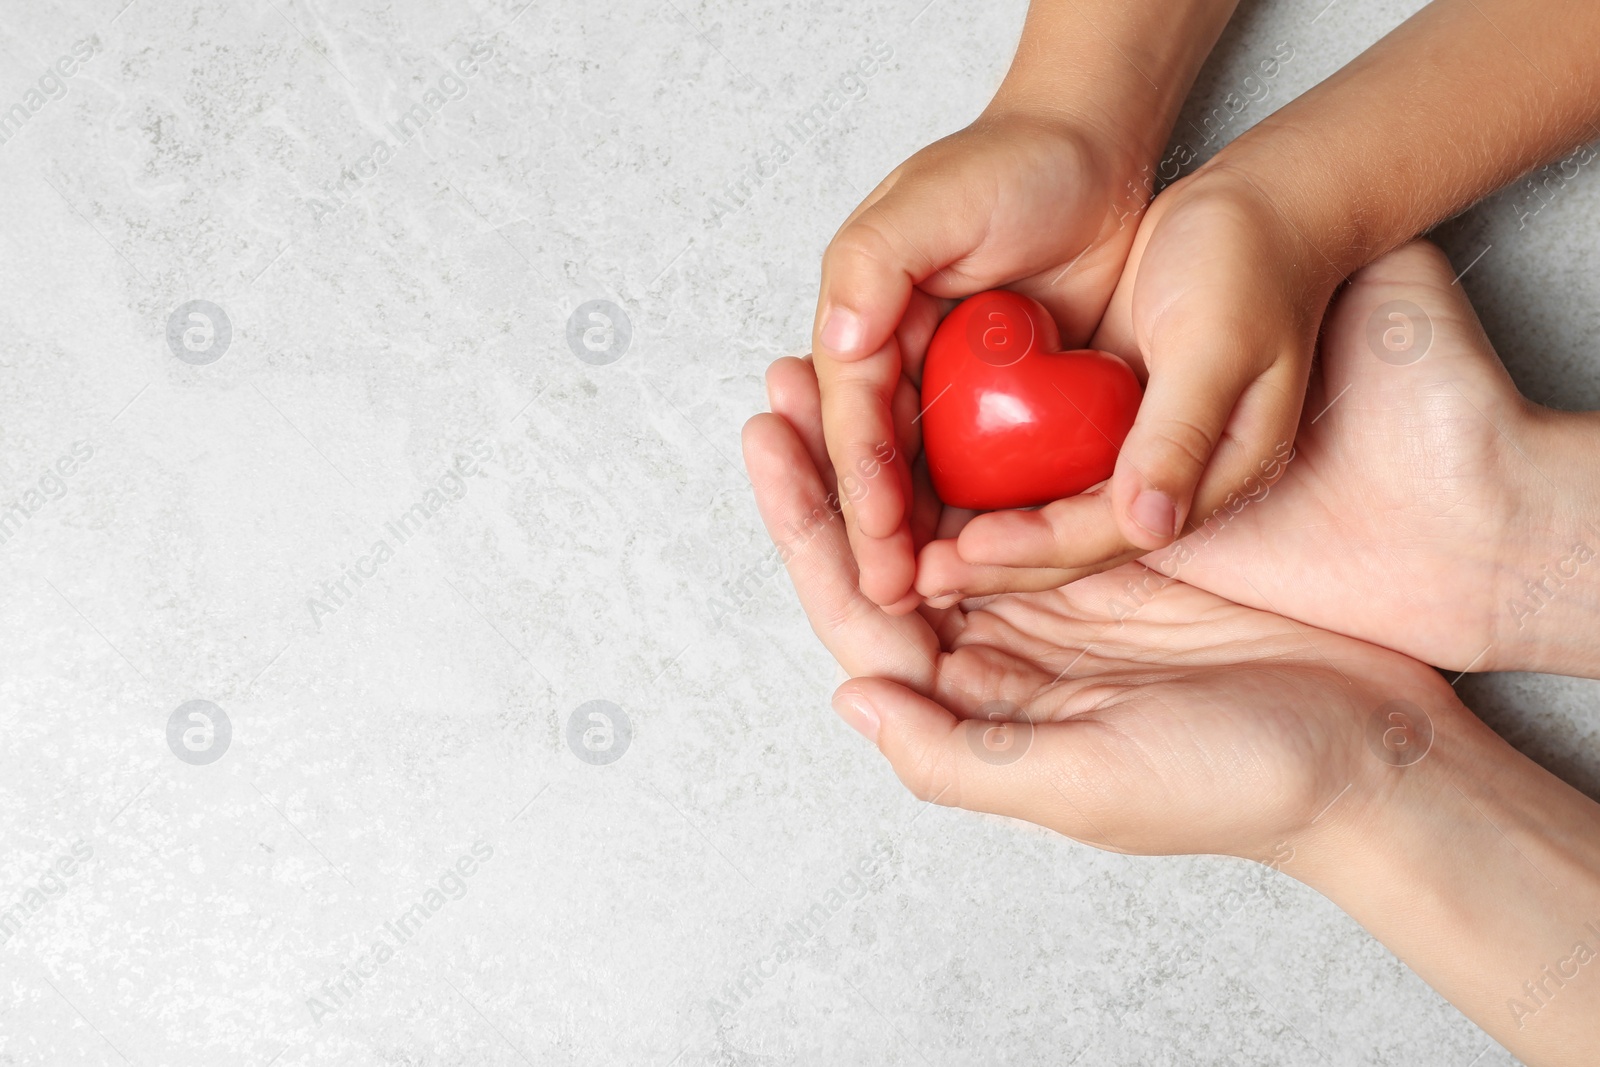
{"points": [[1384, 526], [1206, 708]]}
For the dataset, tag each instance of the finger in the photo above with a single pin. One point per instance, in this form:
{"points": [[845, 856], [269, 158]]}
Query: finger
{"points": [[944, 578], [907, 409], [1076, 532], [928, 512], [999, 668], [1020, 770], [922, 316], [930, 581], [869, 274], [859, 427], [811, 540], [1196, 379], [952, 521], [905, 605], [874, 262], [925, 515], [886, 565], [1257, 444], [793, 396], [880, 191], [940, 573]]}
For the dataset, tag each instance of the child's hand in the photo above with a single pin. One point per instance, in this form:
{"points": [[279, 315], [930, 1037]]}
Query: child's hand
{"points": [[1042, 204], [1042, 195], [1218, 308], [1233, 268]]}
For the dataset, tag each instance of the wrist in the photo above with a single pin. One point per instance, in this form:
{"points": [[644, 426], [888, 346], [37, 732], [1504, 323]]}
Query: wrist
{"points": [[1413, 751], [1480, 871], [1296, 270], [1547, 613], [1302, 181], [1120, 69], [1334, 236]]}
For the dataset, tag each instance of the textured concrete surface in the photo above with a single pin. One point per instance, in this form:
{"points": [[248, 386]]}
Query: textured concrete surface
{"points": [[399, 831]]}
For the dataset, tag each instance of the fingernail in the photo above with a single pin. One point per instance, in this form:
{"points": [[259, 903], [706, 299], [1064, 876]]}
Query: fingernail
{"points": [[842, 330], [1155, 511], [861, 716]]}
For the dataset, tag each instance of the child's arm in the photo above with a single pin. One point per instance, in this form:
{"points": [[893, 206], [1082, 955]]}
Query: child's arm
{"points": [[1042, 194], [1234, 267], [1455, 103]]}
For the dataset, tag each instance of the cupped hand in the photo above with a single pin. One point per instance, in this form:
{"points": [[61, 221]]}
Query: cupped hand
{"points": [[1039, 203], [1218, 308], [1190, 725]]}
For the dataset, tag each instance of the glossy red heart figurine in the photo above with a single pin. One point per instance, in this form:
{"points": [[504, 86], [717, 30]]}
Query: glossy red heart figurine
{"points": [[1008, 421]]}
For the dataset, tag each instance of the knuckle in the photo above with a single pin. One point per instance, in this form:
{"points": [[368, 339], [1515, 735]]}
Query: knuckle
{"points": [[870, 380], [844, 615], [1066, 536], [860, 241], [930, 775], [1179, 443]]}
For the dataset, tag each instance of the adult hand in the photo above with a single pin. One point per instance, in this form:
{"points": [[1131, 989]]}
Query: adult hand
{"points": [[1198, 725], [1195, 726]]}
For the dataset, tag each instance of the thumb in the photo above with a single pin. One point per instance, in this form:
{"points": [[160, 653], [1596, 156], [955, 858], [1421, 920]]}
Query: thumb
{"points": [[1010, 767], [1187, 405], [893, 242]]}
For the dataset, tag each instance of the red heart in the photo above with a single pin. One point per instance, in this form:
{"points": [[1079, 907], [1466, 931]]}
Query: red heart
{"points": [[1007, 420]]}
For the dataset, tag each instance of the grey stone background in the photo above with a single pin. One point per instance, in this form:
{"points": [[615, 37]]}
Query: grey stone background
{"points": [[603, 546]]}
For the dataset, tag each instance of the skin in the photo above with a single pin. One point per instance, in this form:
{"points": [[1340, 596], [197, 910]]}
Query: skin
{"points": [[1042, 193], [1234, 267], [1192, 724], [1390, 522]]}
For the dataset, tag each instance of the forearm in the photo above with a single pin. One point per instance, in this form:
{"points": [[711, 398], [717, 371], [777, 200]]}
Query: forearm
{"points": [[1481, 871], [1454, 104], [1124, 64]]}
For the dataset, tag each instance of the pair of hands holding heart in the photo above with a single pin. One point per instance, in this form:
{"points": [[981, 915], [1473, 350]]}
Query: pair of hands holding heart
{"points": [[1157, 715], [1220, 649]]}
